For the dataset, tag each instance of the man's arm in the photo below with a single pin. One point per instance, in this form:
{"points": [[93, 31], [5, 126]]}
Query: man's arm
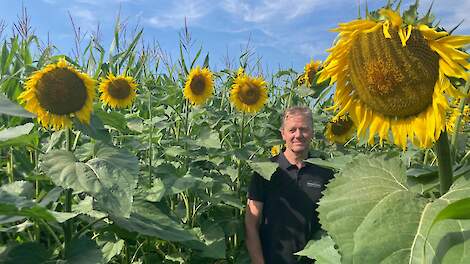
{"points": [[252, 221]]}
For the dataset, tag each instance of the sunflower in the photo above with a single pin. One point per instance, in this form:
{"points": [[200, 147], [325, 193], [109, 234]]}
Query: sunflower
{"points": [[310, 71], [56, 93], [199, 86], [391, 76], [118, 91], [276, 149], [340, 129], [248, 94]]}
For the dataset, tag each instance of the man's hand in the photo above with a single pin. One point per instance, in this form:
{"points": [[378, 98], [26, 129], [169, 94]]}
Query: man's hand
{"points": [[253, 213]]}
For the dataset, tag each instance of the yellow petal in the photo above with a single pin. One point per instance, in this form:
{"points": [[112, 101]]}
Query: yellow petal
{"points": [[385, 28], [454, 41], [404, 36], [431, 33]]}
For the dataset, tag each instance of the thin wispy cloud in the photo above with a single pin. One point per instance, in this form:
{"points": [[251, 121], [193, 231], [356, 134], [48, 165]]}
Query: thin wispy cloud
{"points": [[269, 10], [84, 17], [174, 14]]}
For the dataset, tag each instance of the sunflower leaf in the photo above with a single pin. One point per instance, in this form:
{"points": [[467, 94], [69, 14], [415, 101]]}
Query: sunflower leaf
{"points": [[147, 219], [387, 222], [110, 177], [14, 132], [14, 205], [26, 253], [83, 250], [323, 251], [94, 130], [264, 168], [7, 107]]}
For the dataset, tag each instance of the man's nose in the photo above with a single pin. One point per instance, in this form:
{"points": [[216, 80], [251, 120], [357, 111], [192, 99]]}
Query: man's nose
{"points": [[297, 133]]}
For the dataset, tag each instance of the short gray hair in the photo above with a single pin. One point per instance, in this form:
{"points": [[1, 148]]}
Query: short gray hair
{"points": [[297, 110]]}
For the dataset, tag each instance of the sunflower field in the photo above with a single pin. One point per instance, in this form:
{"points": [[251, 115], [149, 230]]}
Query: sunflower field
{"points": [[120, 155]]}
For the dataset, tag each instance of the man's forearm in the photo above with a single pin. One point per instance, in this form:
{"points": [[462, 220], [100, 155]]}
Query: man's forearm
{"points": [[253, 244]]}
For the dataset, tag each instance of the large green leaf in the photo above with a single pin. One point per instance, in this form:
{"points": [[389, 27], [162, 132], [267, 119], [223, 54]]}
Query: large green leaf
{"points": [[94, 130], [213, 240], [110, 246], [14, 205], [114, 119], [26, 253], [456, 210], [110, 177], [264, 168], [336, 163], [14, 132], [172, 184], [7, 107], [373, 216], [323, 251], [20, 188], [147, 219], [449, 240], [208, 139], [83, 250], [18, 136]]}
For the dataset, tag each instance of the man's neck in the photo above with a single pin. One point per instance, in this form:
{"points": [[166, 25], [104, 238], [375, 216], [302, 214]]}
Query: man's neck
{"points": [[296, 158]]}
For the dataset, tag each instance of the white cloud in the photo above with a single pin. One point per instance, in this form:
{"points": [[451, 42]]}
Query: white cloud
{"points": [[271, 10], [175, 14], [459, 11], [84, 18]]}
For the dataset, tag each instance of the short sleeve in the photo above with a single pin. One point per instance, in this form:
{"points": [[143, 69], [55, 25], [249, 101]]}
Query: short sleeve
{"points": [[257, 188]]}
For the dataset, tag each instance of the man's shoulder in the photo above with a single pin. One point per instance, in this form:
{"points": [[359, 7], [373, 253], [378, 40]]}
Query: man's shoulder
{"points": [[323, 171], [274, 158]]}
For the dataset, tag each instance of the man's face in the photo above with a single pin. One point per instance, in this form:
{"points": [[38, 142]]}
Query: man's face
{"points": [[297, 133]]}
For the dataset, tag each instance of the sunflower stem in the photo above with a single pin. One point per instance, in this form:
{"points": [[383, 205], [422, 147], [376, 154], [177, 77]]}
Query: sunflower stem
{"points": [[150, 138], [444, 162], [238, 212], [68, 201], [10, 166], [186, 131]]}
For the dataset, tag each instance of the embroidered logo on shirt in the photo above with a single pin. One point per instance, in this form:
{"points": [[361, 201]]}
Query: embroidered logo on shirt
{"points": [[313, 185]]}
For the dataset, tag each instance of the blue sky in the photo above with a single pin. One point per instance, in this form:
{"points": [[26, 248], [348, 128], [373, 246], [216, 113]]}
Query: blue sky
{"points": [[283, 33]]}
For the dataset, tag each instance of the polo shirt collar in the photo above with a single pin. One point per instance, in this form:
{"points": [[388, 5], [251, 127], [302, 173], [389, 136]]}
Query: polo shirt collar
{"points": [[285, 164]]}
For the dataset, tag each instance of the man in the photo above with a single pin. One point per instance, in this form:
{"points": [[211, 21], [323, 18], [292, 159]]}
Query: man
{"points": [[281, 213]]}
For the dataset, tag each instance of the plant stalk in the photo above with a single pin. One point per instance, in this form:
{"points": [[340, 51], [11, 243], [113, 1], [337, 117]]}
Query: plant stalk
{"points": [[11, 163], [150, 138], [68, 200], [445, 163]]}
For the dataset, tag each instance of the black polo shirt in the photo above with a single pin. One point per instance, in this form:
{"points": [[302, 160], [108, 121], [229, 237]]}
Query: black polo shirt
{"points": [[289, 217]]}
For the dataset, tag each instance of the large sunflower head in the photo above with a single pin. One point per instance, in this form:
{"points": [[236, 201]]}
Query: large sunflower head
{"points": [[248, 94], [199, 86], [310, 71], [340, 129], [118, 91], [393, 77], [56, 93]]}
